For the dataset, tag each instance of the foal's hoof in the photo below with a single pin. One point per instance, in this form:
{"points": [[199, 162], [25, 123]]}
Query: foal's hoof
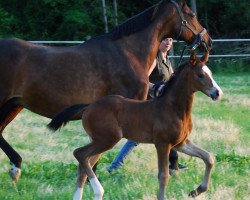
{"points": [[14, 173]]}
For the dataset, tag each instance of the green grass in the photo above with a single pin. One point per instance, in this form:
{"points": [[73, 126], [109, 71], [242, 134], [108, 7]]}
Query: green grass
{"points": [[49, 168]]}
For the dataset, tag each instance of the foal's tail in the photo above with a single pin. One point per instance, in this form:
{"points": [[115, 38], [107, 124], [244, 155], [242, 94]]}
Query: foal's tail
{"points": [[63, 117]]}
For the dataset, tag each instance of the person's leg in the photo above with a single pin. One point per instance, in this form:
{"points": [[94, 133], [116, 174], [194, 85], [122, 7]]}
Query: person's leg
{"points": [[173, 159], [121, 156], [174, 165]]}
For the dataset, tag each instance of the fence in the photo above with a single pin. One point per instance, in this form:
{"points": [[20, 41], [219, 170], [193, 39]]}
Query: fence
{"points": [[222, 48]]}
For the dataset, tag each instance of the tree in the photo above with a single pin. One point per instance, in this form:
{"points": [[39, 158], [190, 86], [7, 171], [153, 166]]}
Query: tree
{"points": [[76, 19]]}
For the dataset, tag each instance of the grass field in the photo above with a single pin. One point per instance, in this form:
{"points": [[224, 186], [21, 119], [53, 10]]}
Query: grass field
{"points": [[222, 128]]}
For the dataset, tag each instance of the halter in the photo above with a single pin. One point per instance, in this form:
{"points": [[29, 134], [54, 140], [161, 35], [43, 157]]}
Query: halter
{"points": [[199, 35]]}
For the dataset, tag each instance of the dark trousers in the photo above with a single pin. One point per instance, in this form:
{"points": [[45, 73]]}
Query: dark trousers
{"points": [[173, 159]]}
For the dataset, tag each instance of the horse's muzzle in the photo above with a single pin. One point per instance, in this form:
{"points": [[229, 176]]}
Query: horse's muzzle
{"points": [[208, 45]]}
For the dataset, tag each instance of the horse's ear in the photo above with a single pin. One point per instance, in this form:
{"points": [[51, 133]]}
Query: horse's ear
{"points": [[181, 2], [204, 58], [193, 58]]}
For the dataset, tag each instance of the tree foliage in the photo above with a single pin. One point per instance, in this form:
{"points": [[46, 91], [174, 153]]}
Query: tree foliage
{"points": [[225, 18], [76, 19]]}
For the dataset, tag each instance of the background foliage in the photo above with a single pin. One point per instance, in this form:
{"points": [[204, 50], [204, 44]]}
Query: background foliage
{"points": [[76, 19]]}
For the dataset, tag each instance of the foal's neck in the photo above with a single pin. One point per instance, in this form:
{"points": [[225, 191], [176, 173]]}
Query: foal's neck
{"points": [[179, 96]]}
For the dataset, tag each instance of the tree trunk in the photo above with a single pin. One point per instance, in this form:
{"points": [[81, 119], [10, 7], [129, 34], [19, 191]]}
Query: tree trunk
{"points": [[115, 11], [105, 16]]}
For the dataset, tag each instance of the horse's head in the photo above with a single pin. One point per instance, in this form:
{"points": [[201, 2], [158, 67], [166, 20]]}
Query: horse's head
{"points": [[202, 77], [187, 26]]}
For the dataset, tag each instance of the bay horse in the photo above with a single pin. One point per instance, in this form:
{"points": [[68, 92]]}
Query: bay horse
{"points": [[47, 79], [164, 121]]}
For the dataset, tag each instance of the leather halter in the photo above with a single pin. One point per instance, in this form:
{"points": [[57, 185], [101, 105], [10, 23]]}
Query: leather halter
{"points": [[199, 35]]}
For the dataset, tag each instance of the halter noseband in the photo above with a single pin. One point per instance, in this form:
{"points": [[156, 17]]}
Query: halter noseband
{"points": [[199, 35]]}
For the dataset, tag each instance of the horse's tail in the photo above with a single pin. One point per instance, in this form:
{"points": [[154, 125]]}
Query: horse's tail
{"points": [[63, 117]]}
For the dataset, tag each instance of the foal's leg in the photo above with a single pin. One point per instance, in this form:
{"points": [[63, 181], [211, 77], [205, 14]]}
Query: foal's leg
{"points": [[163, 167], [192, 150], [7, 113], [82, 176], [87, 157]]}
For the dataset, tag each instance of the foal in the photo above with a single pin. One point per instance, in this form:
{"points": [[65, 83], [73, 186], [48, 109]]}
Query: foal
{"points": [[164, 121]]}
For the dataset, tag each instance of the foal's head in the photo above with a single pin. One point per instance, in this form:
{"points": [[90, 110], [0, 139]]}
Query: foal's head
{"points": [[201, 77]]}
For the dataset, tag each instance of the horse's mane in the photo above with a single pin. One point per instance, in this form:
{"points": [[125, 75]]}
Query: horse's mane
{"points": [[135, 23], [172, 79]]}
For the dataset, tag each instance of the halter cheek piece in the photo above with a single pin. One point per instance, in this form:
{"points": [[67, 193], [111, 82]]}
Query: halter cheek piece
{"points": [[160, 86], [199, 35], [184, 23]]}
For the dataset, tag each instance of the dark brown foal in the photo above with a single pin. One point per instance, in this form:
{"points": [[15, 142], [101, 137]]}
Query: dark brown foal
{"points": [[164, 121]]}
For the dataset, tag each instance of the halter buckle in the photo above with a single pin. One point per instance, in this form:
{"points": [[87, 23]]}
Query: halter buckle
{"points": [[184, 22]]}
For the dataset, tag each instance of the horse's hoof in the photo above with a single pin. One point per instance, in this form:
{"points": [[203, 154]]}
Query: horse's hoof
{"points": [[14, 173], [193, 193]]}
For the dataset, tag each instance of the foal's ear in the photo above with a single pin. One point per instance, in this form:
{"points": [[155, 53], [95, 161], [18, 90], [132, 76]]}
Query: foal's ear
{"points": [[204, 58], [193, 58]]}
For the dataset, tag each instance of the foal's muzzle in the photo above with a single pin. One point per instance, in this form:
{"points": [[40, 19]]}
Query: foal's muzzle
{"points": [[215, 94]]}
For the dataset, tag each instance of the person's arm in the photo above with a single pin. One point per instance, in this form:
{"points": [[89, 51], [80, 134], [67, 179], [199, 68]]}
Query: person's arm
{"points": [[152, 67], [151, 85], [155, 89]]}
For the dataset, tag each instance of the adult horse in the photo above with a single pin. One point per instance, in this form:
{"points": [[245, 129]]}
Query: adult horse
{"points": [[45, 79], [165, 121]]}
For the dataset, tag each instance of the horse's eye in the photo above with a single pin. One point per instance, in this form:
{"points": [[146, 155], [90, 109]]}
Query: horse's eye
{"points": [[201, 75]]}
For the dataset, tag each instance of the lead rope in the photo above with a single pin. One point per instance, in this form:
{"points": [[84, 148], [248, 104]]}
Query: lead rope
{"points": [[181, 57]]}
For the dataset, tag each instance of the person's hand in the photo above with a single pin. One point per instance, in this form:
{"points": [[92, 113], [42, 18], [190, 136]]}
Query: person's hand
{"points": [[156, 89]]}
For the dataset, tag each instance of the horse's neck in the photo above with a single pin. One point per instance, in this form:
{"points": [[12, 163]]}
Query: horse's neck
{"points": [[179, 97], [141, 48], [143, 45]]}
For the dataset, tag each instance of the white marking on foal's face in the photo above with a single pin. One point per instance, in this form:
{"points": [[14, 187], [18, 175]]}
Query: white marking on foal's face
{"points": [[215, 85]]}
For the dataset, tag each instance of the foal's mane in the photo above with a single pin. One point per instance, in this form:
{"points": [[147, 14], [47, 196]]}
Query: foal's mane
{"points": [[172, 79], [135, 23]]}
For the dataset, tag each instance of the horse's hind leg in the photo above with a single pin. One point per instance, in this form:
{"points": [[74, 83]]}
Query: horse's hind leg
{"points": [[192, 150], [8, 112], [87, 157]]}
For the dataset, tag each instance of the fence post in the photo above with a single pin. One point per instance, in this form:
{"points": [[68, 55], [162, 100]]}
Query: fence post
{"points": [[193, 6]]}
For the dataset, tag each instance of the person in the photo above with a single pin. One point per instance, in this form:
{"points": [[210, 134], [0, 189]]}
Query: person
{"points": [[161, 71]]}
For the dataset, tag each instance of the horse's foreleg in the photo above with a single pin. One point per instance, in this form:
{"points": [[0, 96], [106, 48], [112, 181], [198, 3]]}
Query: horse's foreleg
{"points": [[15, 159], [163, 165], [192, 150], [7, 113]]}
